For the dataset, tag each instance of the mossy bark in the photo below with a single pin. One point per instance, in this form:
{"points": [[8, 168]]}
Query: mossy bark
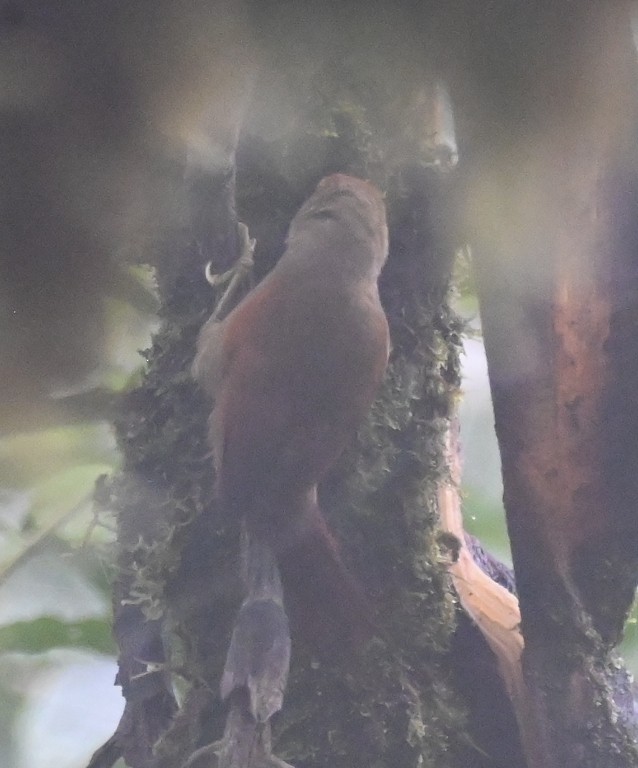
{"points": [[179, 585]]}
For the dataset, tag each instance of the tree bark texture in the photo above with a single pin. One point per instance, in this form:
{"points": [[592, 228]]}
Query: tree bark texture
{"points": [[179, 585], [552, 216]]}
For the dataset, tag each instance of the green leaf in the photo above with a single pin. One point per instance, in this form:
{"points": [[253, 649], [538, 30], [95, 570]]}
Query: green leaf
{"points": [[46, 633]]}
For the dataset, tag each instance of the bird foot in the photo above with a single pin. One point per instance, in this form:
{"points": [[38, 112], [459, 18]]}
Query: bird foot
{"points": [[236, 275], [242, 266]]}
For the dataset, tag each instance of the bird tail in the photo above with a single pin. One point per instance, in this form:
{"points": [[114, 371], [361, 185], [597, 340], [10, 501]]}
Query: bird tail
{"points": [[326, 605]]}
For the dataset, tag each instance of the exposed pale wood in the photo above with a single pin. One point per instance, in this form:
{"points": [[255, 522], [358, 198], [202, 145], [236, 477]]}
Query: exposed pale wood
{"points": [[493, 609]]}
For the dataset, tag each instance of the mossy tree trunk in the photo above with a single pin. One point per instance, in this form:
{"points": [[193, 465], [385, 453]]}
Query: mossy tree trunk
{"points": [[179, 586]]}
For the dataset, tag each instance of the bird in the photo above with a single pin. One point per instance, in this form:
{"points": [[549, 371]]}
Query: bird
{"points": [[293, 370]]}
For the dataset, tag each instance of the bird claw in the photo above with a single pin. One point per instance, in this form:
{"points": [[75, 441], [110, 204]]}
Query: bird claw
{"points": [[236, 274], [247, 246], [242, 266]]}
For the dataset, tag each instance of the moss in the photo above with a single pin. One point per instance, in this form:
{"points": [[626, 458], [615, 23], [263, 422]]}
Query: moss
{"points": [[392, 706]]}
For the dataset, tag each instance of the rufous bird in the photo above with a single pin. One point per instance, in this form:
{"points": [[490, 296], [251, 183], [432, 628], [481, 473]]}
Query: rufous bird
{"points": [[293, 371]]}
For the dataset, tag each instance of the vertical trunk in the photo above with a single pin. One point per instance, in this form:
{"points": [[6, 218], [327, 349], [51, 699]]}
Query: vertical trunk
{"points": [[552, 217], [392, 705]]}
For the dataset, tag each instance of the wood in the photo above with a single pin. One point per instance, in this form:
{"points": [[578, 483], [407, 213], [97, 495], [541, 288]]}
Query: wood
{"points": [[554, 240]]}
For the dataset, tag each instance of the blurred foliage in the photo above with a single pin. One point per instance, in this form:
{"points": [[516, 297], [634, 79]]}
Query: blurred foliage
{"points": [[43, 634], [55, 633]]}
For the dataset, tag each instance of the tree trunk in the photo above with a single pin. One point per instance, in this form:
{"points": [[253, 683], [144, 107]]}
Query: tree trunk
{"points": [[179, 585], [552, 209]]}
